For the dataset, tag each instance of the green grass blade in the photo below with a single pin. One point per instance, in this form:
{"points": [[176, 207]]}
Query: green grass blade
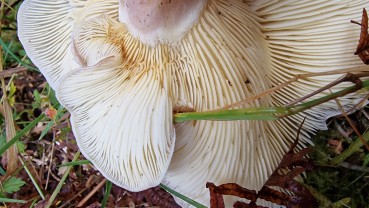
{"points": [[6, 54], [109, 185], [301, 107], [5, 47], [33, 203], [21, 133], [366, 160], [2, 171], [61, 182], [262, 113], [6, 200], [184, 198], [47, 128], [353, 148], [32, 179], [79, 162]]}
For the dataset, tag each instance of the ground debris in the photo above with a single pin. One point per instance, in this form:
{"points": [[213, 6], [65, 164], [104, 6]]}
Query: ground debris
{"points": [[156, 197], [292, 164]]}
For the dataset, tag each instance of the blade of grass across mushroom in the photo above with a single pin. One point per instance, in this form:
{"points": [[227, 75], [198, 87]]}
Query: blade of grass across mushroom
{"points": [[122, 122], [274, 113]]}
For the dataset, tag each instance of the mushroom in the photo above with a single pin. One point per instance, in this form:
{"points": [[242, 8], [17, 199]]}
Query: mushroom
{"points": [[121, 67]]}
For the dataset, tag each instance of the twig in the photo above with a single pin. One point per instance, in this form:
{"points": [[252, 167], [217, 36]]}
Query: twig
{"points": [[12, 152], [339, 128], [11, 5], [50, 160], [348, 77], [32, 179], [60, 184], [265, 113], [2, 110], [258, 96], [57, 124], [354, 167], [98, 187], [80, 192], [11, 71], [352, 125], [42, 168], [365, 113], [353, 70], [359, 105]]}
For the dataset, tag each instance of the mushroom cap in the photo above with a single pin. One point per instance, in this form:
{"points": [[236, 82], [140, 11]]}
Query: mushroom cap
{"points": [[121, 112], [136, 154], [131, 144], [122, 86], [45, 28], [310, 37]]}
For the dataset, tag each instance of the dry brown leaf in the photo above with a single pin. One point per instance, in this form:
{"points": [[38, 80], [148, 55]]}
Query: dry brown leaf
{"points": [[363, 47]]}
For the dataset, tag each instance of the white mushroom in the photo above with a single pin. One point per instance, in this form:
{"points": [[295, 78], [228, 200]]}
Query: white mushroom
{"points": [[120, 69], [45, 27]]}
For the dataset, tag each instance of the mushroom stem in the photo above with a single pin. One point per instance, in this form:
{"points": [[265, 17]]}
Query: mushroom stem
{"points": [[158, 21]]}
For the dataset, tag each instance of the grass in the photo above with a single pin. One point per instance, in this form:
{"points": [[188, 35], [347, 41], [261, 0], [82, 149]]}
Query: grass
{"points": [[49, 171], [346, 179]]}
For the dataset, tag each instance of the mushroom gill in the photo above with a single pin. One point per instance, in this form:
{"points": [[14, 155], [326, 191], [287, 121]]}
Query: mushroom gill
{"points": [[121, 74]]}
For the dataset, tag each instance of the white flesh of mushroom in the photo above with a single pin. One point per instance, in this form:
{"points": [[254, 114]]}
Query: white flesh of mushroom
{"points": [[120, 77]]}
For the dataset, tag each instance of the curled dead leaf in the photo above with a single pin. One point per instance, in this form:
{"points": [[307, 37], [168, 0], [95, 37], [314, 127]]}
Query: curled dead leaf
{"points": [[292, 164], [363, 47]]}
